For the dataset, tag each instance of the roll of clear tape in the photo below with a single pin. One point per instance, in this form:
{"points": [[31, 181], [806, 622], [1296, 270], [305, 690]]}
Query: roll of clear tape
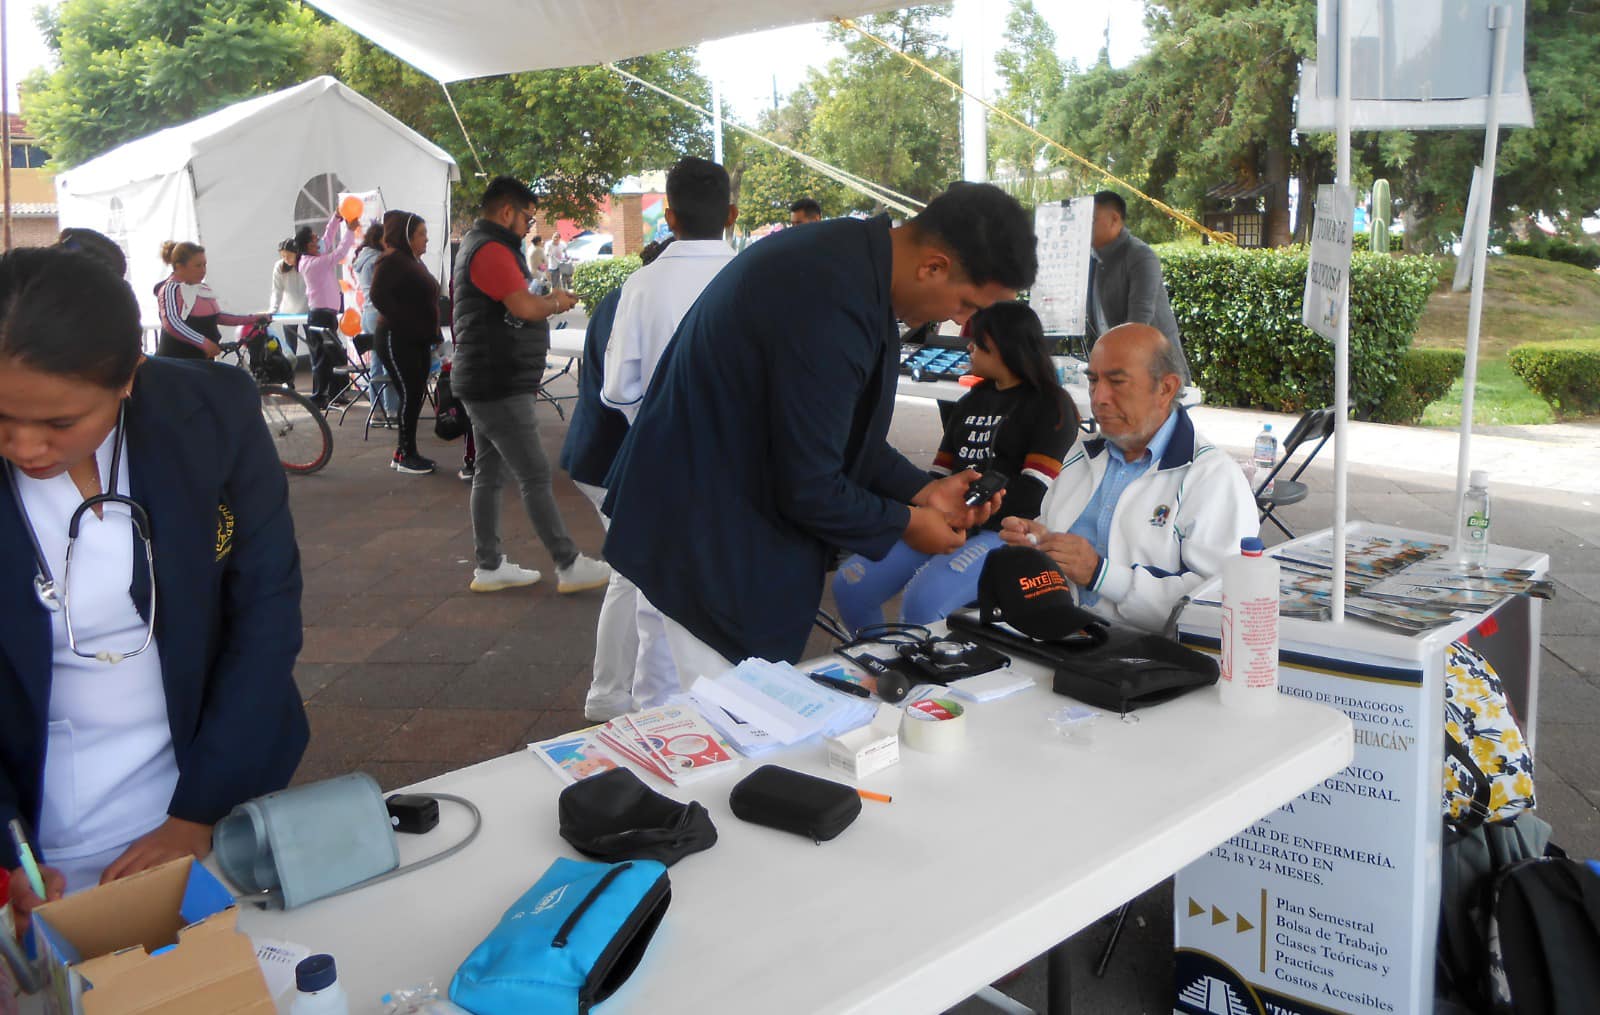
{"points": [[934, 725]]}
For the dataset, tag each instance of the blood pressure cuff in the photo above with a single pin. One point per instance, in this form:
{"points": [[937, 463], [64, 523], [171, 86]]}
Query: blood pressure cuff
{"points": [[614, 816], [568, 943]]}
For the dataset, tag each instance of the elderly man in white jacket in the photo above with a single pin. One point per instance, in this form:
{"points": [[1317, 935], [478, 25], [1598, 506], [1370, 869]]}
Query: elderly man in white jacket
{"points": [[1142, 515]]}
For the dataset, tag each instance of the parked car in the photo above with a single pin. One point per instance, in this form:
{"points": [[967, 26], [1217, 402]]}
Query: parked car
{"points": [[589, 247]]}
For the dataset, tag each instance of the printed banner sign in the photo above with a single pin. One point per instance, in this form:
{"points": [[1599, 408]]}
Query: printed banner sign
{"points": [[1328, 275], [1060, 294]]}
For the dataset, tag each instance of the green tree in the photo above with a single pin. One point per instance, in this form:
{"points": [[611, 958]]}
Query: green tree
{"points": [[1034, 80], [768, 180], [573, 131], [130, 67], [883, 120]]}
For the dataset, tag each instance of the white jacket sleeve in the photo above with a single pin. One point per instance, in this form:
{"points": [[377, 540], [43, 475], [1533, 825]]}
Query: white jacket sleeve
{"points": [[276, 298], [623, 386], [1215, 510]]}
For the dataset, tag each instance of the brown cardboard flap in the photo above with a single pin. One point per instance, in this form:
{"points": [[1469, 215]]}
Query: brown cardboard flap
{"points": [[145, 908], [213, 971]]}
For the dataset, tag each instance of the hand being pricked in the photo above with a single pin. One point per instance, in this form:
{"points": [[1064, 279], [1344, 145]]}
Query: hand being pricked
{"points": [[1075, 556]]}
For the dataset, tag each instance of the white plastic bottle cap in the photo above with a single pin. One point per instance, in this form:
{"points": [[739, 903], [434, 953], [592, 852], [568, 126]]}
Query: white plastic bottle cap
{"points": [[1478, 477]]}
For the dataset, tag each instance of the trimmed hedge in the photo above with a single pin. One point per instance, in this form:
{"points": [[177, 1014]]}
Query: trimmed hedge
{"points": [[1424, 377], [1565, 374], [1584, 255], [1239, 315], [592, 280]]}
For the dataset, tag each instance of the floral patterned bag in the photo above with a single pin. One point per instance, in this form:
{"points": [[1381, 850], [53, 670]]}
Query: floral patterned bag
{"points": [[1478, 720]]}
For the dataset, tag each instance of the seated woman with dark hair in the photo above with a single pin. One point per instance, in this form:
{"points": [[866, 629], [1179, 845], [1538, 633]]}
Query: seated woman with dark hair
{"points": [[146, 687], [1019, 422]]}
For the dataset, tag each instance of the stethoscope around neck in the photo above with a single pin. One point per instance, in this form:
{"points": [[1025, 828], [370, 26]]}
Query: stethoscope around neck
{"points": [[55, 596]]}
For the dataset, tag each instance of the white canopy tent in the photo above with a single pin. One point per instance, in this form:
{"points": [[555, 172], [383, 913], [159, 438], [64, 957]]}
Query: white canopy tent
{"points": [[474, 38], [243, 178]]}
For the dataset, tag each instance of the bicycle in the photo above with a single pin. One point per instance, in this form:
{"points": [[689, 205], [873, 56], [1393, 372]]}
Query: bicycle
{"points": [[303, 437]]}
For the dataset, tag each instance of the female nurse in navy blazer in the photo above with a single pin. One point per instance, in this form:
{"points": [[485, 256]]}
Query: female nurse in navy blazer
{"points": [[119, 759]]}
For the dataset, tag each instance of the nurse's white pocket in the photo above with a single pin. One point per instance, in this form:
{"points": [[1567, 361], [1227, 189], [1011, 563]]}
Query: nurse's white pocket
{"points": [[58, 822]]}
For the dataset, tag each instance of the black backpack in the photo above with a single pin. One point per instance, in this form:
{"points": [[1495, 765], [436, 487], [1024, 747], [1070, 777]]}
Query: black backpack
{"points": [[1543, 938], [268, 364]]}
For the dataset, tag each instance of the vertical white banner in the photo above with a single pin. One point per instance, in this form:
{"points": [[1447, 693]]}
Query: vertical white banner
{"points": [[1328, 274], [1060, 294]]}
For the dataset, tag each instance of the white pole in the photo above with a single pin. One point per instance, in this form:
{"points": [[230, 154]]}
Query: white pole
{"points": [[716, 123], [1479, 243], [1341, 347], [974, 125]]}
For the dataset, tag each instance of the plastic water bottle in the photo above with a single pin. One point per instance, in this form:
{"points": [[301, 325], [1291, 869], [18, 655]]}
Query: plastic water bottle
{"points": [[1475, 520], [1266, 455], [1250, 629], [317, 988]]}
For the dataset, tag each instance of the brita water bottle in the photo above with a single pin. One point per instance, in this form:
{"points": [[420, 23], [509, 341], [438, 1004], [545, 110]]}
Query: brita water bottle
{"points": [[1475, 520], [1266, 456]]}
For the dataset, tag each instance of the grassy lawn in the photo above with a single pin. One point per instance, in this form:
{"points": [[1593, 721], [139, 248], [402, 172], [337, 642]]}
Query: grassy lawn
{"points": [[1525, 300]]}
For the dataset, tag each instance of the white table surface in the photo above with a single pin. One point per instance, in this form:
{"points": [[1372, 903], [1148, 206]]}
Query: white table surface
{"points": [[986, 858]]}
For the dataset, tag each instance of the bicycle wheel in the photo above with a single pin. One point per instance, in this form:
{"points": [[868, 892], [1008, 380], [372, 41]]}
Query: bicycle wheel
{"points": [[305, 444]]}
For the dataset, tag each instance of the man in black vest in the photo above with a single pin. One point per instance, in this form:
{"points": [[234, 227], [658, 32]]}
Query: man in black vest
{"points": [[502, 336]]}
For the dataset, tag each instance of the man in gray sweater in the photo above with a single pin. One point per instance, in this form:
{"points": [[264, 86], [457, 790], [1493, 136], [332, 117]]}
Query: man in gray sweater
{"points": [[1125, 282]]}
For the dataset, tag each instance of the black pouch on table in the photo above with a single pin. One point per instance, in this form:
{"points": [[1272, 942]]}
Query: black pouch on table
{"points": [[792, 801], [1133, 670], [614, 816]]}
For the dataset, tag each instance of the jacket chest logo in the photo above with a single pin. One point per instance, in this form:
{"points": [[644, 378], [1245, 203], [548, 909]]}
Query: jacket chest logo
{"points": [[1160, 515], [225, 525]]}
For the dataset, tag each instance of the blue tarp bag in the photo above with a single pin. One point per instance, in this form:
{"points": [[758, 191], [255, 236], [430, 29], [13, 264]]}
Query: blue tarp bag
{"points": [[568, 943]]}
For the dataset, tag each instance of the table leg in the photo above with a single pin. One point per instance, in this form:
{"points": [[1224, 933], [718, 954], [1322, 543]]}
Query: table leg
{"points": [[1058, 980]]}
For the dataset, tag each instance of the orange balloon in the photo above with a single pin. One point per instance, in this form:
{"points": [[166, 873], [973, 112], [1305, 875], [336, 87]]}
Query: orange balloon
{"points": [[345, 286], [351, 208], [350, 323]]}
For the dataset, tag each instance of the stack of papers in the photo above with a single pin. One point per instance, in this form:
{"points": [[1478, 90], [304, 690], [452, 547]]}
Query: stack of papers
{"points": [[781, 703], [673, 742], [576, 756], [991, 686]]}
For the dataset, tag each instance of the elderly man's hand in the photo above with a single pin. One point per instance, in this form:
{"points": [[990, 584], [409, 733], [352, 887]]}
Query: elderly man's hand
{"points": [[1073, 554]]}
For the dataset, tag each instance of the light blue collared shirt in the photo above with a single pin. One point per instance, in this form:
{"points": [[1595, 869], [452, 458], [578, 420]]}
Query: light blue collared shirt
{"points": [[1094, 524]]}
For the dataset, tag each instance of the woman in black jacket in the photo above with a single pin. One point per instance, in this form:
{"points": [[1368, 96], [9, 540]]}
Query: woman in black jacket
{"points": [[407, 298]]}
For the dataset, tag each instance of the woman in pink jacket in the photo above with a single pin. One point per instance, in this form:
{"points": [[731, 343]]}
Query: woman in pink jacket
{"points": [[319, 264]]}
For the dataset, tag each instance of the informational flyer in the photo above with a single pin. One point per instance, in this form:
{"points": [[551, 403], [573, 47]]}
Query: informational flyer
{"points": [[1060, 294], [1328, 274], [1324, 905]]}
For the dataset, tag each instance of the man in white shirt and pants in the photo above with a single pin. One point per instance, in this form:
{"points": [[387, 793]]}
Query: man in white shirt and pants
{"points": [[654, 300]]}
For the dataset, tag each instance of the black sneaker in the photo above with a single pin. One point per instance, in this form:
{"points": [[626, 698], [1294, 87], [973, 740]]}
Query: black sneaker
{"points": [[412, 464]]}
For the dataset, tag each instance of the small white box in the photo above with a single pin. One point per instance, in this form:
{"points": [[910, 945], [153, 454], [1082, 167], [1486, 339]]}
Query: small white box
{"points": [[870, 748]]}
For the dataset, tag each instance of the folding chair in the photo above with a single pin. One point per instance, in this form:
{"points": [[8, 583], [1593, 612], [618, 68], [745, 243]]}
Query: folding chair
{"points": [[551, 376], [1315, 425], [355, 378]]}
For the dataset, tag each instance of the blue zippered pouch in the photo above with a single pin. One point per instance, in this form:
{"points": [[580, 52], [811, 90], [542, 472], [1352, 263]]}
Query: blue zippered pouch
{"points": [[569, 942]]}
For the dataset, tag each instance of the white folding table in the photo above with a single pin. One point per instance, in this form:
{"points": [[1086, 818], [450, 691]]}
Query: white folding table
{"points": [[986, 858]]}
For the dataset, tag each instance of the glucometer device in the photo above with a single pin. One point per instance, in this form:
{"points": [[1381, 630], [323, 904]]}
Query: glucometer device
{"points": [[985, 486]]}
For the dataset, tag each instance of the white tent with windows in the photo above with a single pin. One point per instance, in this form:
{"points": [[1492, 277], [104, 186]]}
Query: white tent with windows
{"points": [[242, 179]]}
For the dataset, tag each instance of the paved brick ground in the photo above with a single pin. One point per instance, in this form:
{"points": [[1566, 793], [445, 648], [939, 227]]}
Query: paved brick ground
{"points": [[407, 674]]}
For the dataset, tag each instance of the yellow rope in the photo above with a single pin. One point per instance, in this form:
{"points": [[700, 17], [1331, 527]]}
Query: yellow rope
{"points": [[1220, 237]]}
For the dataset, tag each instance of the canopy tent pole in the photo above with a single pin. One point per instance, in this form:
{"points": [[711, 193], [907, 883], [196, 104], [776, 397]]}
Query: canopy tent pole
{"points": [[1479, 242], [716, 123], [1341, 347], [5, 127], [974, 125]]}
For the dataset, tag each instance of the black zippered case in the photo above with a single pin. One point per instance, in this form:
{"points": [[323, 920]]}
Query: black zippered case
{"points": [[792, 801]]}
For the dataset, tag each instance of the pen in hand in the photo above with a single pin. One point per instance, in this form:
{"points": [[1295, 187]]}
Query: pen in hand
{"points": [[25, 857]]}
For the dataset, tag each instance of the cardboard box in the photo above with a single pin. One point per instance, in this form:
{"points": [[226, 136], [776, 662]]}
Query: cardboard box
{"points": [[97, 948], [870, 748]]}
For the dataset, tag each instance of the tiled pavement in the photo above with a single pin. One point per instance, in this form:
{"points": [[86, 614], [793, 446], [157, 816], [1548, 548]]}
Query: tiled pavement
{"points": [[407, 674]]}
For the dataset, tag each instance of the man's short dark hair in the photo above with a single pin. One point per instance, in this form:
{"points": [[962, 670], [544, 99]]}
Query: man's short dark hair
{"points": [[1113, 200], [808, 206], [504, 190], [95, 244], [987, 231], [698, 193]]}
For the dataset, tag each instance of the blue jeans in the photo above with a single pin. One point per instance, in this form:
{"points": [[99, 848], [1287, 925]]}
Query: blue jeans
{"points": [[934, 585], [507, 437]]}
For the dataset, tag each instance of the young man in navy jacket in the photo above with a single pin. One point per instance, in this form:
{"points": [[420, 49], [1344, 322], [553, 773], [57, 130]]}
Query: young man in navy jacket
{"points": [[762, 443]]}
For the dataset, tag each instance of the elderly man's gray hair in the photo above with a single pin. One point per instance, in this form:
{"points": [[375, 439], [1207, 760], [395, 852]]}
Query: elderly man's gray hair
{"points": [[1167, 359]]}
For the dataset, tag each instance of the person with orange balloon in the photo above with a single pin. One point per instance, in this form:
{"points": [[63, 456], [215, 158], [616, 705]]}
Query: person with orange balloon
{"points": [[319, 264]]}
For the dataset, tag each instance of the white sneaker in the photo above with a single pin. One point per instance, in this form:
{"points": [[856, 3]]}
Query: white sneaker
{"points": [[506, 576], [582, 574]]}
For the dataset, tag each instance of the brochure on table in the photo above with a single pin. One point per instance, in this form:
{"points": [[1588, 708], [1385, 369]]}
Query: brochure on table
{"points": [[1331, 902]]}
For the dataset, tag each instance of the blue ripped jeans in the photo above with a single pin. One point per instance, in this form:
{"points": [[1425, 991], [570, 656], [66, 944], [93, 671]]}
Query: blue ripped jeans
{"points": [[934, 585]]}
